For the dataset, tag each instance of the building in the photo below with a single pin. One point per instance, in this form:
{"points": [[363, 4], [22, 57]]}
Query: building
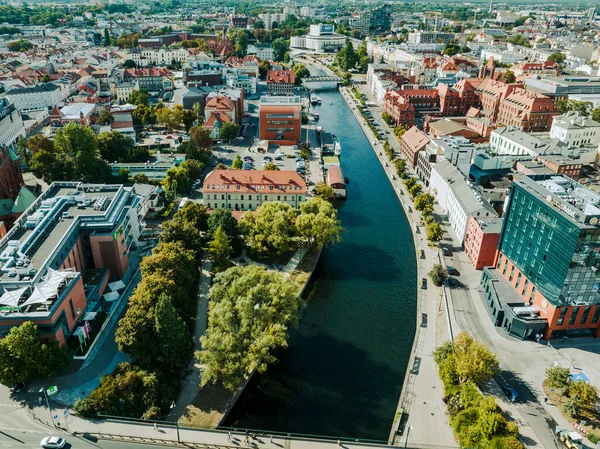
{"points": [[525, 68], [153, 80], [411, 142], [320, 39], [145, 56], [280, 119], [240, 190], [399, 107], [457, 198], [575, 130], [41, 96], [280, 82], [545, 279], [235, 110], [528, 111], [188, 96], [481, 241], [563, 87], [514, 142], [430, 37], [11, 125], [203, 73], [262, 53], [124, 90], [373, 20], [242, 81], [60, 254], [80, 113]]}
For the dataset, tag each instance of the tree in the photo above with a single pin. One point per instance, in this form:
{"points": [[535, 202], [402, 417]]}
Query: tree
{"points": [[399, 131], [438, 274], [177, 180], [415, 190], [271, 166], [198, 110], [146, 115], [170, 118], [558, 377], [23, 356], [424, 203], [106, 42], [128, 391], [222, 218], [596, 114], [557, 58], [318, 223], [114, 146], [220, 249], [124, 175], [45, 78], [387, 118], [139, 97], [188, 118], [270, 229], [172, 336], [510, 77], [346, 57], [263, 68], [229, 131], [193, 167], [280, 48], [237, 162], [300, 72], [584, 394], [474, 361], [141, 178], [434, 232], [201, 137], [105, 117], [304, 151], [250, 313], [325, 192], [400, 165]]}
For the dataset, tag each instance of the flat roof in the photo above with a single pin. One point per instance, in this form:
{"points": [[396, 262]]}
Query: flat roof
{"points": [[280, 99]]}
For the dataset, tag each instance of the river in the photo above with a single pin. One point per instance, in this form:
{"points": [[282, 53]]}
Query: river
{"points": [[343, 371]]}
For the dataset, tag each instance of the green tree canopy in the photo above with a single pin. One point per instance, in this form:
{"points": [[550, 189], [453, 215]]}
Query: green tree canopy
{"points": [[222, 218], [324, 191], [139, 97], [229, 131], [237, 163], [250, 313], [438, 274], [318, 223], [174, 341], [270, 229], [220, 250], [474, 361], [23, 356], [105, 117], [114, 146]]}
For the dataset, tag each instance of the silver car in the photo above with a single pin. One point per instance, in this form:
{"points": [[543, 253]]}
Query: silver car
{"points": [[53, 442]]}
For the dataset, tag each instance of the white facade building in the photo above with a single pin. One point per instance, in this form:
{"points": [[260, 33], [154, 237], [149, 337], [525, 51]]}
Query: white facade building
{"points": [[320, 39], [514, 142], [11, 124], [42, 96], [155, 56], [575, 130], [456, 197], [123, 90]]}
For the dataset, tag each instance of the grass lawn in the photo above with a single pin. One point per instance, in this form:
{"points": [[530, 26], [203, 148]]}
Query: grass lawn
{"points": [[558, 399], [208, 407]]}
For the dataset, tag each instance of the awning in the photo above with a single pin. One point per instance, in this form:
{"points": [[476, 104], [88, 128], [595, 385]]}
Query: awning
{"points": [[11, 298], [117, 285], [37, 297], [89, 316], [112, 296]]}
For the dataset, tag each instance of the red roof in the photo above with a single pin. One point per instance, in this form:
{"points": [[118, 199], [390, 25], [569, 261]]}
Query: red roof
{"points": [[281, 77], [255, 181]]}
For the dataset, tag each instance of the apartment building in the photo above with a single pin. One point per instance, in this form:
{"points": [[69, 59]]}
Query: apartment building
{"points": [[528, 111], [545, 278], [240, 190], [41, 96], [280, 82], [575, 130], [481, 241], [411, 143]]}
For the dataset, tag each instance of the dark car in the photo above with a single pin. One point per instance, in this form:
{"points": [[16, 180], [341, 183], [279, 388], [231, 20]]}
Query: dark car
{"points": [[510, 393], [445, 251], [451, 282], [424, 283], [19, 386]]}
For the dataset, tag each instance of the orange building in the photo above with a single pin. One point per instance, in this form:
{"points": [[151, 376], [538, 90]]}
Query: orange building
{"points": [[280, 119], [481, 241]]}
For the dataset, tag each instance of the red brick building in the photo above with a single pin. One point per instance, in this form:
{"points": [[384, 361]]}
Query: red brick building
{"points": [[527, 111], [11, 178], [457, 100], [481, 241], [413, 141], [280, 82]]}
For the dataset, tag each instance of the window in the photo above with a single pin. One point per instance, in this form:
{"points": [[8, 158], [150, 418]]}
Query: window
{"points": [[72, 308], [585, 315], [573, 315], [561, 318]]}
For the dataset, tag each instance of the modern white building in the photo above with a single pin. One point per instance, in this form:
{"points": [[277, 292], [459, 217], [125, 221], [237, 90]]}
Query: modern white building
{"points": [[11, 124], [124, 90], [575, 130], [320, 39], [42, 96], [154, 56], [261, 53], [242, 81], [514, 142], [457, 198]]}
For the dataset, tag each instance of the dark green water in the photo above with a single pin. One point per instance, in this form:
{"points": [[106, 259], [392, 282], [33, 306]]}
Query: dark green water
{"points": [[343, 371]]}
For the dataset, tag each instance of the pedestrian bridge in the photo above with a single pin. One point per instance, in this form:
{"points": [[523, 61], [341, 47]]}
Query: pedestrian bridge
{"points": [[322, 79]]}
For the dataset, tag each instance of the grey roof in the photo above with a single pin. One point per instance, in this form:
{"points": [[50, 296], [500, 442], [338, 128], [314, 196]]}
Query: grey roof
{"points": [[470, 200], [574, 120], [44, 87]]}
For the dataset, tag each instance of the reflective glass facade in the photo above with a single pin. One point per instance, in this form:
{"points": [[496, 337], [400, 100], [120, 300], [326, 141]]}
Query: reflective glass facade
{"points": [[558, 254]]}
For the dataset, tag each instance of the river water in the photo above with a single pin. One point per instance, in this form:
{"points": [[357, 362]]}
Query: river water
{"points": [[343, 371]]}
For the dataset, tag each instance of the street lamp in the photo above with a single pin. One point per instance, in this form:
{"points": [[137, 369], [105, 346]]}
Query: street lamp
{"points": [[407, 434]]}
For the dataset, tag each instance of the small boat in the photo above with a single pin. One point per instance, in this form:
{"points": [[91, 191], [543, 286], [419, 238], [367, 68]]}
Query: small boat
{"points": [[314, 100], [316, 117], [346, 180]]}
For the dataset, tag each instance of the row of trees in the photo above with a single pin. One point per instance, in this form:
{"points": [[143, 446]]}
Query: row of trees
{"points": [[583, 107], [156, 330], [477, 420], [581, 397]]}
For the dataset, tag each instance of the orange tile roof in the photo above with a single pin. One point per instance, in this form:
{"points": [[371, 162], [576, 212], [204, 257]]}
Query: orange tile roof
{"points": [[255, 181], [281, 76]]}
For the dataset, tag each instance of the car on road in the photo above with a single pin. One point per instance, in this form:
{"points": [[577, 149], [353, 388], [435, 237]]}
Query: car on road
{"points": [[53, 443], [445, 251], [450, 269], [510, 393], [19, 386], [451, 281], [424, 283]]}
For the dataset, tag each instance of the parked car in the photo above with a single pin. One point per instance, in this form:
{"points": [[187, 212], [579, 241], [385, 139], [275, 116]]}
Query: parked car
{"points": [[510, 393], [19, 386], [450, 269], [53, 443], [423, 283], [445, 251]]}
